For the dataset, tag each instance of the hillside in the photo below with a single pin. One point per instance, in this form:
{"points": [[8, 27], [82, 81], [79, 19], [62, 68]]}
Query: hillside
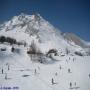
{"points": [[34, 55]]}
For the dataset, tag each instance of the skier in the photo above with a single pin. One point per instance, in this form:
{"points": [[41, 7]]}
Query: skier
{"points": [[5, 76], [8, 66], [66, 60], [2, 70], [38, 67], [70, 84], [60, 67], [69, 70], [52, 81], [75, 83], [56, 74], [89, 75], [35, 71], [12, 49], [69, 58]]}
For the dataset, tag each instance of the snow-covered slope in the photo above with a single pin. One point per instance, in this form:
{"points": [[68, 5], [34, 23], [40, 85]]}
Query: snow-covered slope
{"points": [[20, 72], [77, 40], [61, 63]]}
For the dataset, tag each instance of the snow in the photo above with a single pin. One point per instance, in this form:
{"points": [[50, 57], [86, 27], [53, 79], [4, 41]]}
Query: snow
{"points": [[27, 74], [30, 28], [21, 64]]}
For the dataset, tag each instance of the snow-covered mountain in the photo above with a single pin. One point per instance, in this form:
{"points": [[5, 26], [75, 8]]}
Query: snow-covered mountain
{"points": [[30, 28], [77, 40], [34, 55]]}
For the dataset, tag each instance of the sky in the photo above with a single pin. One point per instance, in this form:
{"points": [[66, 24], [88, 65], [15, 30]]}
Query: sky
{"points": [[67, 15]]}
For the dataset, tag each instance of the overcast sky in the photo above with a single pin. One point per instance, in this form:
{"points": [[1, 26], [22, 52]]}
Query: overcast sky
{"points": [[67, 15]]}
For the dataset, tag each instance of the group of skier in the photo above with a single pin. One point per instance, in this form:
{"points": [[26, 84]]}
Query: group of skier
{"points": [[2, 70]]}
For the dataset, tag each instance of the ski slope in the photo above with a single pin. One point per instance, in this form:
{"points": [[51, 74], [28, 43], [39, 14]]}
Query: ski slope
{"points": [[64, 71], [28, 75]]}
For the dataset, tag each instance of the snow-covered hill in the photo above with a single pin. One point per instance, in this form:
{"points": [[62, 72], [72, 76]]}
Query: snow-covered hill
{"points": [[34, 55], [30, 28]]}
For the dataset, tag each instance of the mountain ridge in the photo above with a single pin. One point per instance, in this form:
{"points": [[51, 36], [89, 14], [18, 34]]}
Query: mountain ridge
{"points": [[34, 27]]}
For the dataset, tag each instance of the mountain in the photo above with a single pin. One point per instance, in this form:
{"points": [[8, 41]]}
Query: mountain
{"points": [[77, 40], [34, 55], [28, 28]]}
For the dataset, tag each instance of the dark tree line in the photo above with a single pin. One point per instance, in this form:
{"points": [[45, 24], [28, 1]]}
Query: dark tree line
{"points": [[7, 39], [11, 40]]}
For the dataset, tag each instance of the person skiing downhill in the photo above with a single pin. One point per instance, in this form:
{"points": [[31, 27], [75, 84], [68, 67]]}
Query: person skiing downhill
{"points": [[60, 67], [35, 71], [70, 84], [89, 75], [75, 83], [2, 70], [69, 70], [8, 66], [52, 81], [6, 76]]}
